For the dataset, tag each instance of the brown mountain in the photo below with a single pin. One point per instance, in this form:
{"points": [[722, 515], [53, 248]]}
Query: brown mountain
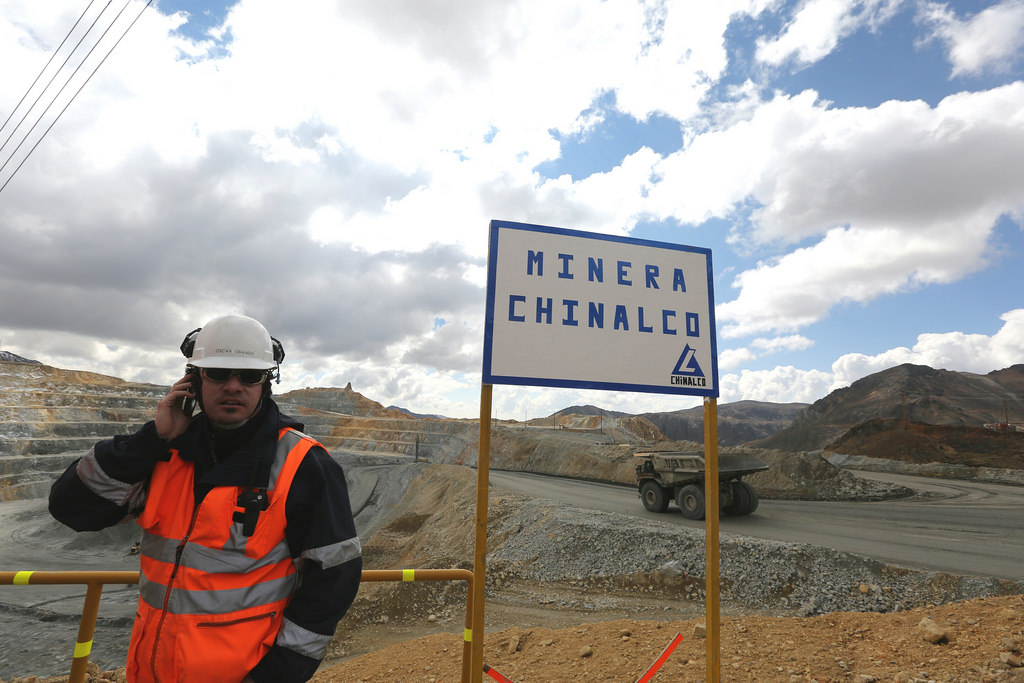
{"points": [[919, 443], [738, 422], [346, 401], [908, 394]]}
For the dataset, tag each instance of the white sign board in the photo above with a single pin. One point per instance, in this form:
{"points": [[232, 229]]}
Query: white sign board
{"points": [[567, 308]]}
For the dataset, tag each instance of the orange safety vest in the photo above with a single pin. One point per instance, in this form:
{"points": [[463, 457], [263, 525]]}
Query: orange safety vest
{"points": [[211, 600]]}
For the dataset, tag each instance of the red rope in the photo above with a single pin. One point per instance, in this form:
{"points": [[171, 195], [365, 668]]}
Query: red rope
{"points": [[669, 649], [495, 675]]}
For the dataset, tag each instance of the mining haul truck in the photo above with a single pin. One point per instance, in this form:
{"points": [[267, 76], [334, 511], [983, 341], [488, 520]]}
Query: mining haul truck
{"points": [[664, 476]]}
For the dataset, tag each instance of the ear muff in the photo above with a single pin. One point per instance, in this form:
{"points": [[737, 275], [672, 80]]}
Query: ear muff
{"points": [[189, 343], [278, 350]]}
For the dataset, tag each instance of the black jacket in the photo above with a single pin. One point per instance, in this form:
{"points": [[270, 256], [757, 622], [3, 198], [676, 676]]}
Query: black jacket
{"points": [[317, 510]]}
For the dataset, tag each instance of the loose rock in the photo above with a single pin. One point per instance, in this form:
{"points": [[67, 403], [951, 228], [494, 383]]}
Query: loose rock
{"points": [[932, 632]]}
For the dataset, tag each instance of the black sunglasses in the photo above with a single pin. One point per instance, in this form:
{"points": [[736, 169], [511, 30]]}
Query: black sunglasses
{"points": [[219, 375]]}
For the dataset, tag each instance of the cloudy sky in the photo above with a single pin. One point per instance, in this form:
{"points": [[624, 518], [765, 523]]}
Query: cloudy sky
{"points": [[856, 168]]}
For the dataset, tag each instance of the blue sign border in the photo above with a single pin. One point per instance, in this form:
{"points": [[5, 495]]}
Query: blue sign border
{"points": [[492, 258]]}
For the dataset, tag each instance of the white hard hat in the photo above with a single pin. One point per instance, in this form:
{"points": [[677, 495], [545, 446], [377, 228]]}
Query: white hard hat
{"points": [[233, 341]]}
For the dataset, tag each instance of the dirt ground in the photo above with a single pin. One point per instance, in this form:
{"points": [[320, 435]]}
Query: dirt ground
{"points": [[977, 641], [543, 633]]}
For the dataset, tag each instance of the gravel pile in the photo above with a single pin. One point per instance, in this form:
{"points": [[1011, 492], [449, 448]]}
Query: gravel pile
{"points": [[543, 541], [808, 476]]}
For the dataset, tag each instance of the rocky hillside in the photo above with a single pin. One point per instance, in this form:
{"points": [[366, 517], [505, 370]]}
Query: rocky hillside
{"points": [[739, 422], [14, 358], [346, 401], [49, 416], [910, 393], [918, 443]]}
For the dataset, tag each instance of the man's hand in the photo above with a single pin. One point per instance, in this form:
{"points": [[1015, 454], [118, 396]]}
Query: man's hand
{"points": [[171, 420]]}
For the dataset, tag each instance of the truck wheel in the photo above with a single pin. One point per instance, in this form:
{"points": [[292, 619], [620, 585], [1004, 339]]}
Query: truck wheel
{"points": [[737, 500], [690, 500], [752, 500], [744, 499], [654, 497]]}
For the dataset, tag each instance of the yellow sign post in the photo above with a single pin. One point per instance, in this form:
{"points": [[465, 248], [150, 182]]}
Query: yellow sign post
{"points": [[475, 636], [712, 621]]}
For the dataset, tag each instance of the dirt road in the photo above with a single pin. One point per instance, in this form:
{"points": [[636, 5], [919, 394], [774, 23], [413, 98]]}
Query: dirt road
{"points": [[959, 527]]}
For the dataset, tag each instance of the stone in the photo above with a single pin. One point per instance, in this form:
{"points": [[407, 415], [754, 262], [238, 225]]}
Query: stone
{"points": [[586, 651], [905, 677], [932, 632], [1013, 659]]}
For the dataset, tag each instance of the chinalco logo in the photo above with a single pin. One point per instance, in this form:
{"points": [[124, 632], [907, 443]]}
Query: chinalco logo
{"points": [[687, 372]]}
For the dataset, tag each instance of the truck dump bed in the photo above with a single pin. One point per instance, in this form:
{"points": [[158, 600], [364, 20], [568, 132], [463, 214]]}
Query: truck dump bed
{"points": [[685, 463]]}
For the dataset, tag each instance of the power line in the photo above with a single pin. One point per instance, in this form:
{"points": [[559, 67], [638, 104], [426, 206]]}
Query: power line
{"points": [[52, 79], [76, 93], [42, 71]]}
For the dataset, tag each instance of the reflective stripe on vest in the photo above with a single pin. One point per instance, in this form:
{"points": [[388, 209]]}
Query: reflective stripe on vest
{"points": [[224, 600], [303, 641], [337, 553], [105, 486]]}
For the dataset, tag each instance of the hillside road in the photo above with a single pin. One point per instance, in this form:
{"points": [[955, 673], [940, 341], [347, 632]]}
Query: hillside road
{"points": [[954, 526]]}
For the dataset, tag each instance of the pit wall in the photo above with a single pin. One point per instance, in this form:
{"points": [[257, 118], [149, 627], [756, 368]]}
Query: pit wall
{"points": [[989, 475]]}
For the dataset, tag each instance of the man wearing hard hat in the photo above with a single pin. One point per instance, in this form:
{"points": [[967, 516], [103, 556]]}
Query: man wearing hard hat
{"points": [[249, 553]]}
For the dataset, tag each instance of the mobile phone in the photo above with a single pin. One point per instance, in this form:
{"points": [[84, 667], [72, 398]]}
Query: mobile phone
{"points": [[188, 405]]}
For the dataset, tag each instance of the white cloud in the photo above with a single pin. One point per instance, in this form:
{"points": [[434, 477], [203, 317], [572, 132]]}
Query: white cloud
{"points": [[847, 265], [898, 196], [794, 342], [812, 34], [734, 358], [818, 27], [957, 351], [783, 384], [991, 40], [685, 48]]}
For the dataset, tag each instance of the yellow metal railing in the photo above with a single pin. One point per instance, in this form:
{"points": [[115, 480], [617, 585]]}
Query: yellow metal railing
{"points": [[95, 580], [87, 624]]}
